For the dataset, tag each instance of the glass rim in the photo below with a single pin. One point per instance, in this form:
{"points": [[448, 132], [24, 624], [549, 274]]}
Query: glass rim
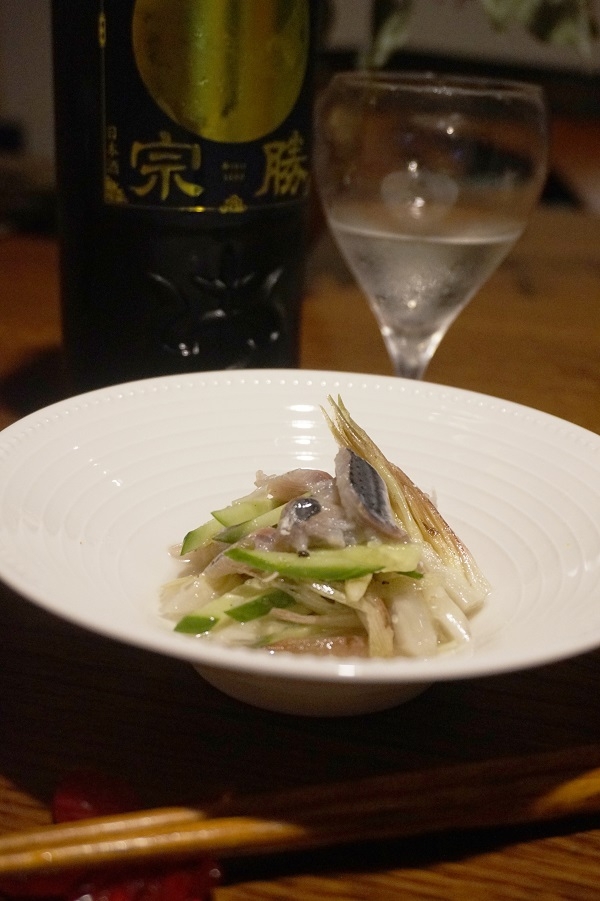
{"points": [[452, 83]]}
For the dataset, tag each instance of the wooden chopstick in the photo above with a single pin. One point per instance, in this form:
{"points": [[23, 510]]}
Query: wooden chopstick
{"points": [[491, 793], [98, 828]]}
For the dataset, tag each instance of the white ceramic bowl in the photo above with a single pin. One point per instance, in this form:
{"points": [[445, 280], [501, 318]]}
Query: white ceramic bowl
{"points": [[94, 490]]}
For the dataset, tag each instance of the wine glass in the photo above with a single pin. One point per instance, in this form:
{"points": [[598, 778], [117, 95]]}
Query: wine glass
{"points": [[426, 182]]}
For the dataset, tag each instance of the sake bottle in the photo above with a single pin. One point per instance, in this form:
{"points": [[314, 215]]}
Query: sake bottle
{"points": [[183, 160]]}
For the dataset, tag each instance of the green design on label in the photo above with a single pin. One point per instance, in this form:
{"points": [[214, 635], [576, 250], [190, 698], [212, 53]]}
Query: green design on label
{"points": [[226, 70]]}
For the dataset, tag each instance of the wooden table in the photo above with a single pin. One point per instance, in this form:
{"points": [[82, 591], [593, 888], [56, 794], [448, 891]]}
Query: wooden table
{"points": [[69, 699], [575, 157]]}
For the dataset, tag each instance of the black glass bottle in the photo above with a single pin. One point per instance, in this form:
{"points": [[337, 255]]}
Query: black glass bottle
{"points": [[183, 150]]}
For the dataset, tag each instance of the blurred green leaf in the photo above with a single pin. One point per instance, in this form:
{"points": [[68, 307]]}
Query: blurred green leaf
{"points": [[390, 27], [503, 13], [566, 23]]}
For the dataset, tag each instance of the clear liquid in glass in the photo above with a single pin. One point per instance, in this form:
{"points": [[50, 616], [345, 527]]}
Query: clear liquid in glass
{"points": [[418, 280]]}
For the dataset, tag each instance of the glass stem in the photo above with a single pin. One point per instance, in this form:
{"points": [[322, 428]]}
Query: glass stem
{"points": [[410, 356]]}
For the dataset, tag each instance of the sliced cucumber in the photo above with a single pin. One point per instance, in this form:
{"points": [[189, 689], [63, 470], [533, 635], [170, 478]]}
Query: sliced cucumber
{"points": [[194, 624], [200, 536], [260, 606], [240, 530], [242, 604], [335, 565], [240, 513], [243, 510]]}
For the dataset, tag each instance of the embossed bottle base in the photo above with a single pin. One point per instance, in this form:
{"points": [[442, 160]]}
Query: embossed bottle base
{"points": [[177, 300]]}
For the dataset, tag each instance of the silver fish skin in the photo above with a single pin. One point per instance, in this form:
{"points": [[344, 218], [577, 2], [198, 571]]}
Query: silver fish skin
{"points": [[364, 496]]}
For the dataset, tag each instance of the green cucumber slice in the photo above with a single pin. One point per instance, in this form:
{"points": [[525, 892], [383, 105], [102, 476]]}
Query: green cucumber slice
{"points": [[243, 604], [247, 516], [243, 510], [195, 625], [335, 565], [240, 530], [260, 606], [200, 536]]}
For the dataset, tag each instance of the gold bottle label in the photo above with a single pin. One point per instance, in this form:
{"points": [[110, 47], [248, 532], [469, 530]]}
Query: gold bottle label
{"points": [[206, 102]]}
